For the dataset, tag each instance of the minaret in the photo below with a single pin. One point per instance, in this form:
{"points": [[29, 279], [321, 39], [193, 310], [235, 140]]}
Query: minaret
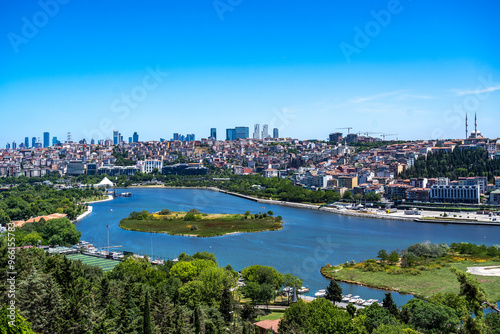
{"points": [[466, 125], [475, 125]]}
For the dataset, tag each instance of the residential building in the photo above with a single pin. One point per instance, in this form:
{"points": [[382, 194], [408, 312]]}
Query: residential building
{"points": [[271, 173], [336, 137], [418, 194], [495, 197], [149, 165], [348, 182]]}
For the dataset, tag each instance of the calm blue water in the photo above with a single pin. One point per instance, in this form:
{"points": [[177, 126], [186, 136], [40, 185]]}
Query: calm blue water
{"points": [[309, 239]]}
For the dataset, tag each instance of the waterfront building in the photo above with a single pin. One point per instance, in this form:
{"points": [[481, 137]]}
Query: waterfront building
{"points": [[455, 194]]}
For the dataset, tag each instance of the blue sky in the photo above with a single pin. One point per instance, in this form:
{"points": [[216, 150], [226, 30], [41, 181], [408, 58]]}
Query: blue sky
{"points": [[410, 68]]}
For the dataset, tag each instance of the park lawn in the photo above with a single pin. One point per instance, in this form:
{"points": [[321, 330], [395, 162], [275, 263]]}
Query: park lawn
{"points": [[274, 315], [205, 225], [425, 284]]}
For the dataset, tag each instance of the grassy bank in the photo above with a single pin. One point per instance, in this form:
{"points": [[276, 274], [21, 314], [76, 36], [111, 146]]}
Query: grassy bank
{"points": [[200, 224], [423, 281]]}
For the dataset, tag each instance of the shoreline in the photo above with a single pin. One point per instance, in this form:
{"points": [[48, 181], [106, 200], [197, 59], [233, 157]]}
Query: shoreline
{"points": [[384, 216], [110, 198], [83, 215]]}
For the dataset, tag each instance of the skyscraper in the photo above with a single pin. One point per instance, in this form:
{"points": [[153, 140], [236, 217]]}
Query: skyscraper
{"points": [[230, 134], [26, 142], [116, 137], [242, 132], [7, 146], [135, 137], [213, 133], [265, 131], [275, 133], [129, 140], [46, 139], [92, 141], [33, 142], [256, 131], [14, 145], [176, 136]]}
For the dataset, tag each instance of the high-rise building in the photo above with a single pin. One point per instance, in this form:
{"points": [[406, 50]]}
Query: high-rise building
{"points": [[190, 137], [256, 131], [120, 138], [135, 137], [241, 132], [116, 137], [213, 133], [230, 134], [351, 138], [7, 146], [26, 142], [33, 142], [92, 141], [46, 139], [176, 136], [336, 137], [265, 131], [54, 141], [14, 145], [275, 133], [130, 140]]}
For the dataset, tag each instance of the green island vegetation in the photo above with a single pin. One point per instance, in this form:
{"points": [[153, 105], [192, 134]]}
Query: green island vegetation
{"points": [[423, 269], [195, 295], [195, 223], [24, 200], [459, 163]]}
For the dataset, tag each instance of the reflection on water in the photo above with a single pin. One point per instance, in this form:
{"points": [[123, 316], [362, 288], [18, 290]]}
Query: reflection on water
{"points": [[309, 239]]}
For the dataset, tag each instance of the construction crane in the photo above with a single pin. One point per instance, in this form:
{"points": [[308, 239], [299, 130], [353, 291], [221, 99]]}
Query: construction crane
{"points": [[383, 135], [348, 129], [368, 133]]}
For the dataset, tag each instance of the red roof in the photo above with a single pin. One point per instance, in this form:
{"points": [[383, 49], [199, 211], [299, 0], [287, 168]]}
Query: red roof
{"points": [[268, 324]]}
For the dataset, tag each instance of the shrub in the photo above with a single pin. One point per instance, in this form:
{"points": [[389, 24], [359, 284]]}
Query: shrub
{"points": [[194, 212], [194, 228], [164, 212], [395, 271], [189, 217]]}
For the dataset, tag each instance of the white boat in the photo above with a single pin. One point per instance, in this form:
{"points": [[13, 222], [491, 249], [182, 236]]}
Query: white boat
{"points": [[303, 290], [354, 299], [320, 293], [346, 298], [360, 301]]}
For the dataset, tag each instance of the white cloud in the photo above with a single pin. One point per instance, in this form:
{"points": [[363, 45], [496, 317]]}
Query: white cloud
{"points": [[476, 91]]}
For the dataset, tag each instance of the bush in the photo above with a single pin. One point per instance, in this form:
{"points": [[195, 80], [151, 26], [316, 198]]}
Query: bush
{"points": [[373, 267], [194, 228], [194, 212], [189, 217], [164, 212], [395, 271]]}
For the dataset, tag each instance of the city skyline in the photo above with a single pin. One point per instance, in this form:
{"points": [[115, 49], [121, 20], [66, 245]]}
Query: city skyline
{"points": [[307, 71]]}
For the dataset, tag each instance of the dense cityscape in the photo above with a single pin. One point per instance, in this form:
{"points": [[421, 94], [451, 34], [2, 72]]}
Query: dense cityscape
{"points": [[249, 167]]}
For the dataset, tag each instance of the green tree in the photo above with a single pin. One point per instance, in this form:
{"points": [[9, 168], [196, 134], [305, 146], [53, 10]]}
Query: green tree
{"points": [[393, 257], [334, 292], [429, 317], [351, 309], [473, 293], [382, 255], [13, 323], [389, 304], [146, 314]]}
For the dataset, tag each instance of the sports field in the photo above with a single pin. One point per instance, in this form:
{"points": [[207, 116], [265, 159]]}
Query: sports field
{"points": [[105, 264]]}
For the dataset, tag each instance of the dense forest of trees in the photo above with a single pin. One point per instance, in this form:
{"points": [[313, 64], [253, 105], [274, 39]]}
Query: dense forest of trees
{"points": [[459, 163], [194, 295], [25, 201]]}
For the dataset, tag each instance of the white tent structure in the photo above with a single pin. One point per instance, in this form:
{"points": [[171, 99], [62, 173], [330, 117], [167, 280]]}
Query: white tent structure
{"points": [[105, 183]]}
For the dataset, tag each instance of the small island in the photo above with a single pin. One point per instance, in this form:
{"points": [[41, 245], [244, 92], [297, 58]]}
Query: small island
{"points": [[197, 224]]}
